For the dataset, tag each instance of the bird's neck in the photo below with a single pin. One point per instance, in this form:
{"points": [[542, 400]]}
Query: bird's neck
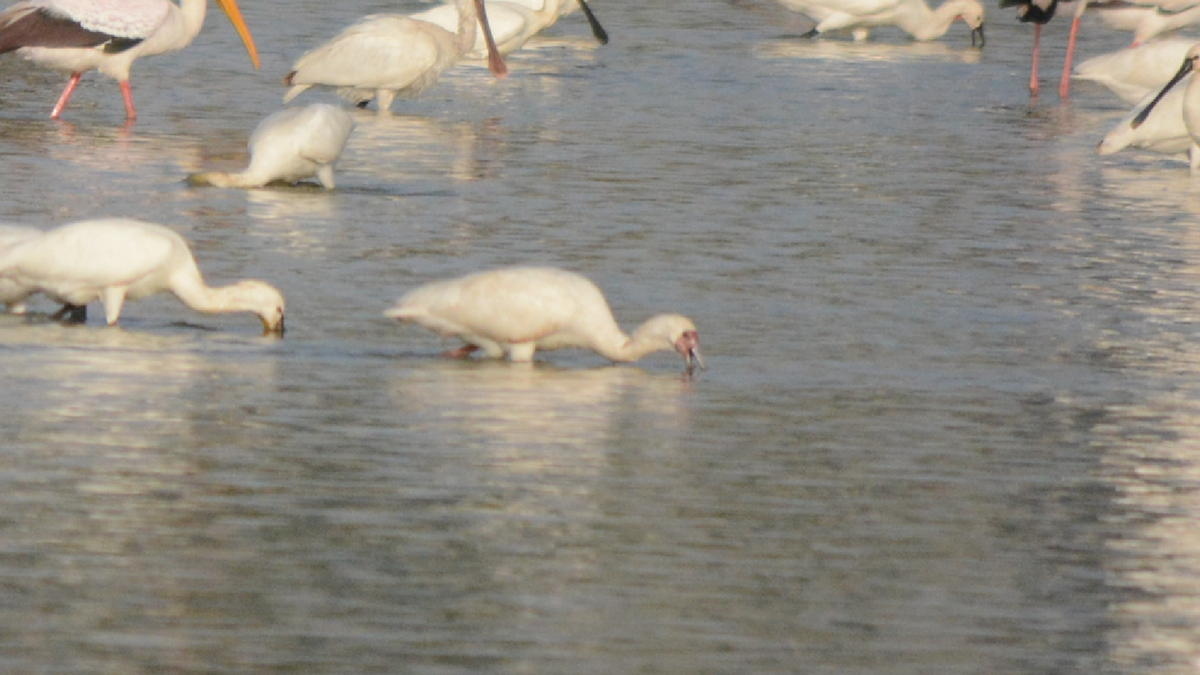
{"points": [[467, 19], [615, 345], [926, 24], [192, 12], [204, 298]]}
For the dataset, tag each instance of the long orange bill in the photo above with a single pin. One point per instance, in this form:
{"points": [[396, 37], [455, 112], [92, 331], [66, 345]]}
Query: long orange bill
{"points": [[235, 17], [495, 61]]}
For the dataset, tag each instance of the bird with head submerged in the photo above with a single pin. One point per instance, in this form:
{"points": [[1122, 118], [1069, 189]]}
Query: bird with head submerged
{"points": [[114, 260], [912, 16], [517, 310], [106, 35], [289, 146]]}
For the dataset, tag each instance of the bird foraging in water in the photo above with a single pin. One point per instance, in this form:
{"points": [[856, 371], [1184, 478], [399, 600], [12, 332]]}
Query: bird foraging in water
{"points": [[912, 16], [115, 259], [289, 146], [383, 55], [106, 35], [518, 310]]}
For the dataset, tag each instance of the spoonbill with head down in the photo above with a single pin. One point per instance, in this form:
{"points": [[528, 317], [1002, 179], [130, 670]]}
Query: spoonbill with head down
{"points": [[106, 35], [112, 260], [1156, 127], [289, 146], [518, 310], [912, 16], [383, 55], [1190, 106], [512, 22]]}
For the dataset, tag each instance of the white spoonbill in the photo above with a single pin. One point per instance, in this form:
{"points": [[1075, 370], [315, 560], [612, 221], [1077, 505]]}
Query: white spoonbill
{"points": [[289, 146], [383, 55], [1131, 74], [518, 310], [512, 22], [1160, 130], [106, 35], [1190, 105], [912, 16], [112, 260]]}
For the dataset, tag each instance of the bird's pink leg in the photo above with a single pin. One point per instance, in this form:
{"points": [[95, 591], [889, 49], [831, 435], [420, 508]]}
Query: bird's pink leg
{"points": [[460, 353], [1064, 86], [1033, 75], [66, 96], [127, 92]]}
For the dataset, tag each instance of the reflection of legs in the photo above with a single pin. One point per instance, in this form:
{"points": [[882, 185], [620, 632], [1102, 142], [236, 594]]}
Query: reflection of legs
{"points": [[460, 353], [71, 314]]}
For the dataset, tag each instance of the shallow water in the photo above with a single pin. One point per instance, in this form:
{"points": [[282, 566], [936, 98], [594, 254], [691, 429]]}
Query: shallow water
{"points": [[948, 425]]}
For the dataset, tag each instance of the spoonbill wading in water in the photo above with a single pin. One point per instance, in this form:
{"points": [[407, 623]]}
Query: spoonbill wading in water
{"points": [[383, 55], [518, 310], [115, 259], [106, 35], [912, 16], [289, 146], [1191, 105], [512, 22]]}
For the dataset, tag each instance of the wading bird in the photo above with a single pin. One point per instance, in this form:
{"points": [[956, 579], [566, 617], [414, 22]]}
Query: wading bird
{"points": [[383, 55], [518, 310], [512, 22], [912, 16], [289, 146], [1187, 111], [112, 260], [1131, 74], [106, 35]]}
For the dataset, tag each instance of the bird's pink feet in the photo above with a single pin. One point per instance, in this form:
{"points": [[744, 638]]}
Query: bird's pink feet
{"points": [[460, 353]]}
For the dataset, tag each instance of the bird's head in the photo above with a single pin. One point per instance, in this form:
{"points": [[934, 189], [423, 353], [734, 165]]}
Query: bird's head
{"points": [[264, 300], [972, 15], [681, 335]]}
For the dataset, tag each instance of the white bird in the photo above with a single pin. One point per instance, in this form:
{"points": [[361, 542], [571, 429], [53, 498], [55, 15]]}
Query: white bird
{"points": [[1188, 110], [106, 35], [1161, 130], [512, 22], [383, 55], [518, 310], [912, 16], [112, 260], [1131, 74], [11, 293], [1148, 19], [289, 146]]}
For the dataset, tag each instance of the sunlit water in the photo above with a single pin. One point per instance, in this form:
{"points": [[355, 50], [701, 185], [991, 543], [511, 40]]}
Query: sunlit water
{"points": [[949, 423]]}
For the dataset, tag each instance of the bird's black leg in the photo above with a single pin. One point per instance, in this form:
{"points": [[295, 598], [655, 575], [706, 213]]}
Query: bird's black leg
{"points": [[71, 314]]}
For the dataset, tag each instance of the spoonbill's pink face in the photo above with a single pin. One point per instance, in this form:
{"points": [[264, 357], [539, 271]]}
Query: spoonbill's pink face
{"points": [[688, 344]]}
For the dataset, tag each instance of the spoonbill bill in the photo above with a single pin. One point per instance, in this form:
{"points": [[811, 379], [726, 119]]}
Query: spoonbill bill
{"points": [[518, 310], [113, 260], [912, 16], [289, 146], [383, 55], [106, 35]]}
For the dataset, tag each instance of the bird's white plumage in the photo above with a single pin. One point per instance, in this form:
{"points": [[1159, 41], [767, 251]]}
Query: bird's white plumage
{"points": [[1163, 132], [289, 146], [1131, 74], [518, 310], [112, 260], [13, 293], [512, 23], [119, 18], [1148, 19], [913, 16]]}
